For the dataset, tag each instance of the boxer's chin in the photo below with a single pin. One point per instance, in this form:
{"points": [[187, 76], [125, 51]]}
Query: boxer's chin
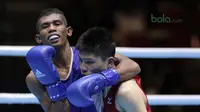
{"points": [[57, 43], [54, 41]]}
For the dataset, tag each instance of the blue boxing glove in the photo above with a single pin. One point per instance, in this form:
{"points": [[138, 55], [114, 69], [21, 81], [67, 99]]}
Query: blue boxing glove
{"points": [[79, 93], [39, 59]]}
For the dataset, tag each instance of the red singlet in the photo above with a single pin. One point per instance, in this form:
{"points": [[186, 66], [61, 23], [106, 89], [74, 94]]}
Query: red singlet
{"points": [[111, 107]]}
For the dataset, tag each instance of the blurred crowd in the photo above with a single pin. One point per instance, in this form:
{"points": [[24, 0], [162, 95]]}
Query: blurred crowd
{"points": [[134, 23]]}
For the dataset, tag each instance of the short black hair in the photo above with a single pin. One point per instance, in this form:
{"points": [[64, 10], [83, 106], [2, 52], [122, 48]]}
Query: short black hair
{"points": [[49, 11], [98, 41]]}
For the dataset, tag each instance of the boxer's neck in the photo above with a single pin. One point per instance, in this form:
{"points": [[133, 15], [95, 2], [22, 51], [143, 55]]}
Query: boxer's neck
{"points": [[63, 56]]}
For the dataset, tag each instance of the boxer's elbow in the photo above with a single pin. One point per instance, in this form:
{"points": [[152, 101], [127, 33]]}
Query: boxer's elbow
{"points": [[127, 65], [136, 68], [128, 69], [132, 66]]}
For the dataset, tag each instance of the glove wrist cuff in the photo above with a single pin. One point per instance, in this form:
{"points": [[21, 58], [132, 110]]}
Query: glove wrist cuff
{"points": [[112, 76], [56, 91]]}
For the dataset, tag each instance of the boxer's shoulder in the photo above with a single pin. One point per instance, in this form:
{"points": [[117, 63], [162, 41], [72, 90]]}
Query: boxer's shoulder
{"points": [[129, 91], [130, 86]]}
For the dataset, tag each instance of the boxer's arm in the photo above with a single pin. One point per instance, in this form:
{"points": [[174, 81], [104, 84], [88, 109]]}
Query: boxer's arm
{"points": [[127, 68], [131, 98], [38, 90]]}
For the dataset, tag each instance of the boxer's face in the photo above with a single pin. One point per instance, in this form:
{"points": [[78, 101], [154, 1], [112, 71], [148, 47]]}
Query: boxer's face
{"points": [[53, 31], [94, 64]]}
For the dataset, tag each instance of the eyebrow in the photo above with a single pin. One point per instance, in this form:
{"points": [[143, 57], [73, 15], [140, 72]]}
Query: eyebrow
{"points": [[86, 59], [43, 23], [91, 59], [57, 20]]}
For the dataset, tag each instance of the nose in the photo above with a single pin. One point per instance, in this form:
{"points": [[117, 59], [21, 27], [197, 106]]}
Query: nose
{"points": [[52, 28], [84, 69]]}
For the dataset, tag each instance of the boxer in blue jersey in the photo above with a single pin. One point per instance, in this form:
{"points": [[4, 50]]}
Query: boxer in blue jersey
{"points": [[55, 65]]}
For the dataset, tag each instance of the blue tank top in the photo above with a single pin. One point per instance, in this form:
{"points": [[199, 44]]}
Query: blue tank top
{"points": [[74, 75]]}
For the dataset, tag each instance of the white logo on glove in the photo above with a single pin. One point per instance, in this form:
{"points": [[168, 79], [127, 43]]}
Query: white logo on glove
{"points": [[39, 74]]}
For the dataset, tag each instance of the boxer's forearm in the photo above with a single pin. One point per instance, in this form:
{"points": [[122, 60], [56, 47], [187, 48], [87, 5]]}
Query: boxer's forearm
{"points": [[38, 90], [127, 68], [49, 106], [60, 106]]}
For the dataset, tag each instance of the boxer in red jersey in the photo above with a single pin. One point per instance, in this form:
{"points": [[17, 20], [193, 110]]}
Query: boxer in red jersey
{"points": [[97, 53]]}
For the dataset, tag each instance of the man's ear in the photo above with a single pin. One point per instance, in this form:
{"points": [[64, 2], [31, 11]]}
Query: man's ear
{"points": [[69, 31], [38, 39], [111, 62]]}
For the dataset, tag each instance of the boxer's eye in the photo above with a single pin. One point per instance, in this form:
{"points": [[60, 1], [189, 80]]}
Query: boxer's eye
{"points": [[57, 23], [45, 25], [89, 62]]}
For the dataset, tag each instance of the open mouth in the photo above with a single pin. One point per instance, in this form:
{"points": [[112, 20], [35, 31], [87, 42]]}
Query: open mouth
{"points": [[53, 38]]}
